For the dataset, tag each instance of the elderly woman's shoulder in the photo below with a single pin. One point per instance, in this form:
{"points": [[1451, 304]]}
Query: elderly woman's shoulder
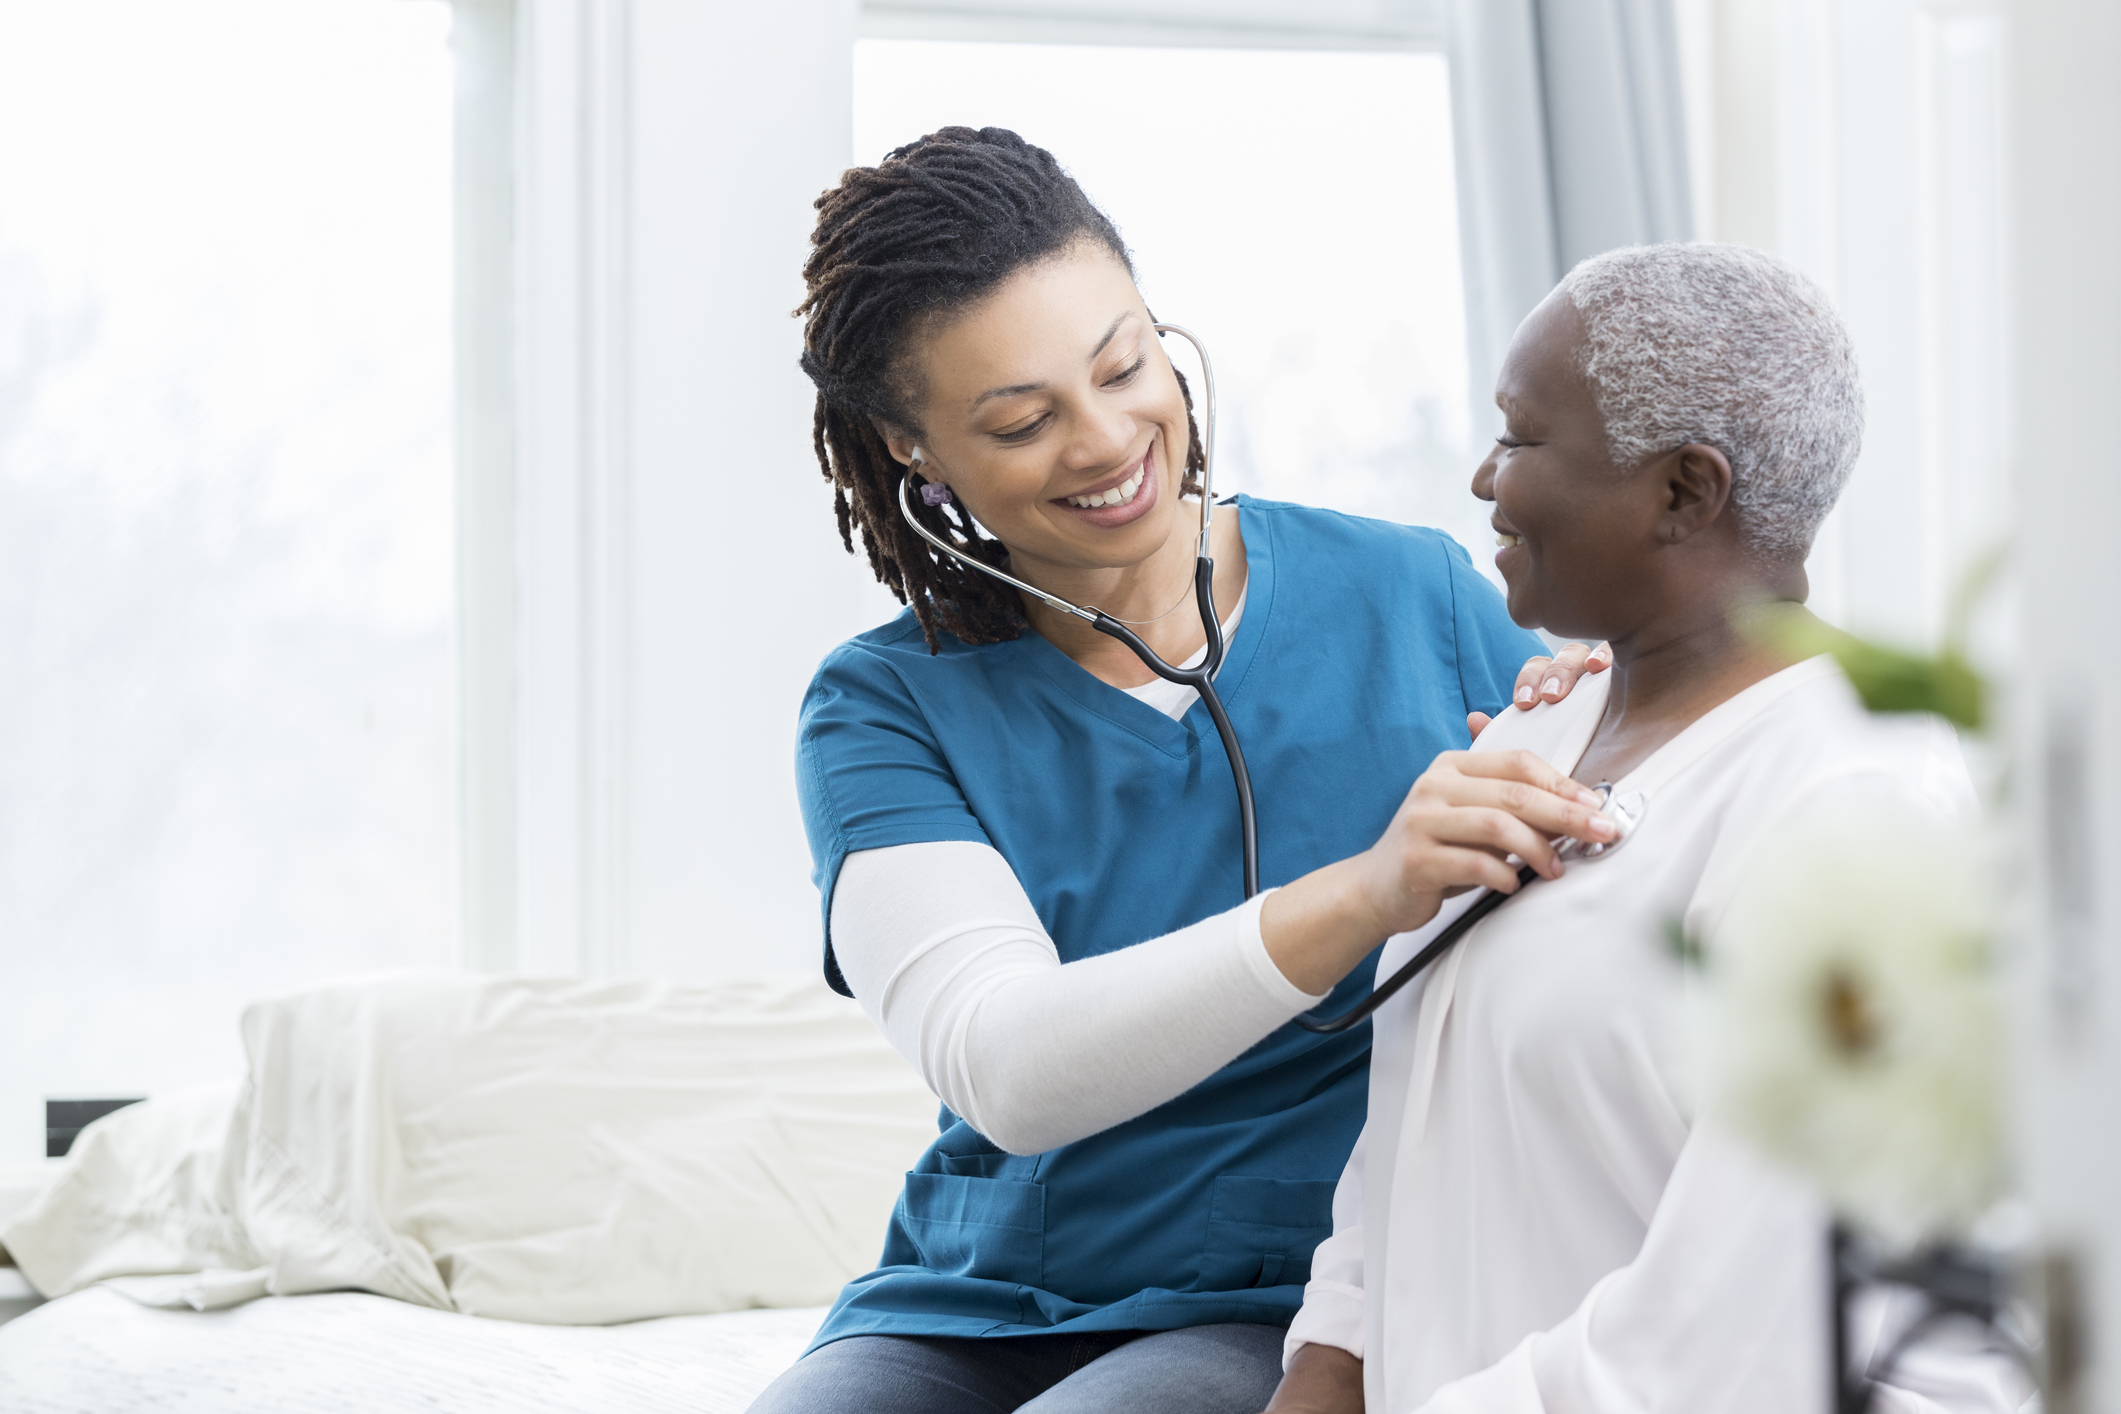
{"points": [[1824, 733]]}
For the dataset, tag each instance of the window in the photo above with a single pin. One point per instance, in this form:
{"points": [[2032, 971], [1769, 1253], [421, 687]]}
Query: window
{"points": [[226, 544], [1296, 209]]}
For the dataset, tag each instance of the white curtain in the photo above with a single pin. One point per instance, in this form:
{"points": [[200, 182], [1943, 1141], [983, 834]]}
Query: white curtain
{"points": [[1571, 140]]}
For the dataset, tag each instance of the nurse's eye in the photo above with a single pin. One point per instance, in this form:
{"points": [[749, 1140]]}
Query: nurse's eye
{"points": [[1126, 375], [1506, 440], [1025, 433]]}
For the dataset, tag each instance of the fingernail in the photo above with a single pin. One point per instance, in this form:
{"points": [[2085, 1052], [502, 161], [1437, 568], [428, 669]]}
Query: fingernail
{"points": [[1524, 694], [1552, 685], [1588, 797], [1602, 826]]}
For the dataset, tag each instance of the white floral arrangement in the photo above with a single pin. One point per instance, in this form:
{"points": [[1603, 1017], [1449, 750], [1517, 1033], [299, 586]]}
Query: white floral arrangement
{"points": [[1851, 1025]]}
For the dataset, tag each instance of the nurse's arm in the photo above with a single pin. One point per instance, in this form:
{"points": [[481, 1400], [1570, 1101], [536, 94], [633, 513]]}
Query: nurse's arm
{"points": [[1456, 830], [943, 949]]}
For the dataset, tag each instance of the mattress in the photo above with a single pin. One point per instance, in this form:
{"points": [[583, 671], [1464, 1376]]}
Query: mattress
{"points": [[97, 1352]]}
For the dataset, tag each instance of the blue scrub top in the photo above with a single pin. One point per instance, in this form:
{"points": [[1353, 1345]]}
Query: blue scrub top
{"points": [[1362, 647]]}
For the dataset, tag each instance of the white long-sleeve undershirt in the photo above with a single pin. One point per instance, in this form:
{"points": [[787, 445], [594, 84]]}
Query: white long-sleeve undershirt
{"points": [[945, 952]]}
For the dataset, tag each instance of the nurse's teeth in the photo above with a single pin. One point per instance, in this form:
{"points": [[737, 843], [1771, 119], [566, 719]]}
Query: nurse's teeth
{"points": [[1119, 495], [1505, 541]]}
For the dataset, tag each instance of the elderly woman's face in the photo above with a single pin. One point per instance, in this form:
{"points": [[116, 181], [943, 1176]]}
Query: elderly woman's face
{"points": [[1053, 415], [1572, 530]]}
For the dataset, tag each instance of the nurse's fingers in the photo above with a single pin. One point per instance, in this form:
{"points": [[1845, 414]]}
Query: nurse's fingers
{"points": [[1525, 696], [1493, 832], [1456, 870], [1476, 723], [1551, 679], [1520, 783]]}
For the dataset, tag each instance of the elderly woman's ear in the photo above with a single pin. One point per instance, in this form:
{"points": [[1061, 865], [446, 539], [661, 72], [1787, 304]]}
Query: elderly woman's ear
{"points": [[1696, 488]]}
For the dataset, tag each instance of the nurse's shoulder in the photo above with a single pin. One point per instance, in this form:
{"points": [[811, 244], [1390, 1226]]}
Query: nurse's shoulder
{"points": [[1357, 544], [889, 669]]}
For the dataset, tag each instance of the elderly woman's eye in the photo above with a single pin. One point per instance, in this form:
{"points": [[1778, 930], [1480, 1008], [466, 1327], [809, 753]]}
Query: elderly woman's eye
{"points": [[1506, 440]]}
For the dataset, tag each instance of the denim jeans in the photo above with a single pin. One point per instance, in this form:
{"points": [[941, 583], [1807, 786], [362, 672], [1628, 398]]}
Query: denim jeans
{"points": [[1225, 1369]]}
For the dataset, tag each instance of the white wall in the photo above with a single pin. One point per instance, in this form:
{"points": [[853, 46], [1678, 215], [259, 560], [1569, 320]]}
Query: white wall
{"points": [[2065, 116], [1863, 140], [678, 571]]}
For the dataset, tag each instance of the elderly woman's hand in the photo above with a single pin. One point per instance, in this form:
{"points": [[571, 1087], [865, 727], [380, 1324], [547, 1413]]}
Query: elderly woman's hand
{"points": [[1544, 679], [1458, 828]]}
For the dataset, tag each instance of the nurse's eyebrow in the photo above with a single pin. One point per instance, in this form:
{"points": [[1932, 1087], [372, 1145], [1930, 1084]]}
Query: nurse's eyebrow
{"points": [[1015, 388]]}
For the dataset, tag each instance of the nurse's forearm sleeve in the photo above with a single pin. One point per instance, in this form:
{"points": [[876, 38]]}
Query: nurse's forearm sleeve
{"points": [[945, 952]]}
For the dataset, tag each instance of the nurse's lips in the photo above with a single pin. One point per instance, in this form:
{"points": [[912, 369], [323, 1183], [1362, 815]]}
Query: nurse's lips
{"points": [[1120, 498]]}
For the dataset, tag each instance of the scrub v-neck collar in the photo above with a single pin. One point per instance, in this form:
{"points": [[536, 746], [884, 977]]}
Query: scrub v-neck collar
{"points": [[1172, 736]]}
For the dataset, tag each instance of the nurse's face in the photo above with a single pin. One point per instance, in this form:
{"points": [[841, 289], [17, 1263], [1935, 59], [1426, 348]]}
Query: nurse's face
{"points": [[1577, 537], [1052, 414]]}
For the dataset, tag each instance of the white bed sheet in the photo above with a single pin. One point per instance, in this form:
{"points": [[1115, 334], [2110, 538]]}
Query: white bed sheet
{"points": [[96, 1352]]}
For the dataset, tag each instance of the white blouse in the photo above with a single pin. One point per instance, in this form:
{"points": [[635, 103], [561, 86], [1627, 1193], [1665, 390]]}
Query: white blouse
{"points": [[1530, 1221]]}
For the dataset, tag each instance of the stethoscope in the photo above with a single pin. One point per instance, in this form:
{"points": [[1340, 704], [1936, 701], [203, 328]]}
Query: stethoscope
{"points": [[1625, 812]]}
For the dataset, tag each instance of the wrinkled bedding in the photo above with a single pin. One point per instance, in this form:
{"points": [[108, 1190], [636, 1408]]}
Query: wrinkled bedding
{"points": [[537, 1150], [100, 1353]]}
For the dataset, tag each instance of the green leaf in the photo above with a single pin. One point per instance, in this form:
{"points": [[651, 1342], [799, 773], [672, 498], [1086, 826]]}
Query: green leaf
{"points": [[1887, 679]]}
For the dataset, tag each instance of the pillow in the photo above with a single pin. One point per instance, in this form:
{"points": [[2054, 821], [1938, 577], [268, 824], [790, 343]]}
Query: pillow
{"points": [[540, 1150]]}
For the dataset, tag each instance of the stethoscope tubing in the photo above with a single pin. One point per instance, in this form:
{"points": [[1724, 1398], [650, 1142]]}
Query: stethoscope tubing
{"points": [[1416, 965]]}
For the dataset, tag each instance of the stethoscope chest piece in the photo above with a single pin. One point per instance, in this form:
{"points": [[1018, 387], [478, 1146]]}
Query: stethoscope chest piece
{"points": [[1625, 811]]}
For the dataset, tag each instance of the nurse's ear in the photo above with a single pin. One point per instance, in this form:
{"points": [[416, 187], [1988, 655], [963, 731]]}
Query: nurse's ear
{"points": [[909, 454], [901, 444]]}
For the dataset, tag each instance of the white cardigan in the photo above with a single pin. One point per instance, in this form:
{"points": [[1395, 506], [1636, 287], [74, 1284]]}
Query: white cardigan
{"points": [[1530, 1222]]}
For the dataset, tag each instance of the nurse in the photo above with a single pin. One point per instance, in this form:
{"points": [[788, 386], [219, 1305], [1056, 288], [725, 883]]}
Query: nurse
{"points": [[1028, 848]]}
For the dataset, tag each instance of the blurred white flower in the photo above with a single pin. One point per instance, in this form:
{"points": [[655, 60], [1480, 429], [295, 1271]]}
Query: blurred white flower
{"points": [[1852, 1027]]}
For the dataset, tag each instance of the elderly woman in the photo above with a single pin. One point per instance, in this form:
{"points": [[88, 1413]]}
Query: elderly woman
{"points": [[1530, 1221]]}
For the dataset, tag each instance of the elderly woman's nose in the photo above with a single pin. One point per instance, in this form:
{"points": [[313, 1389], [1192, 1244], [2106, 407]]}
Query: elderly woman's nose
{"points": [[1484, 478]]}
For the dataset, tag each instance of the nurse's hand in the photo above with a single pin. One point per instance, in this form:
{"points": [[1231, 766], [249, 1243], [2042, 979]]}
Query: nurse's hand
{"points": [[1544, 679], [1456, 830]]}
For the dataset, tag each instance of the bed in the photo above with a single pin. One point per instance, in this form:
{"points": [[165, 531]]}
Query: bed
{"points": [[97, 1352], [454, 1192]]}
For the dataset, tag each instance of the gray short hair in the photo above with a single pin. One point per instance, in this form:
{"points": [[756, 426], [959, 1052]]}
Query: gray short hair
{"points": [[1728, 346]]}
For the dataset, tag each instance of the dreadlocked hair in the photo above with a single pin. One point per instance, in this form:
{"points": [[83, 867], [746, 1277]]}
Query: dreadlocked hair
{"points": [[933, 228]]}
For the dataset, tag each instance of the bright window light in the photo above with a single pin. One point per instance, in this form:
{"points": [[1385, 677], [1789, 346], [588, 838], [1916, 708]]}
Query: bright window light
{"points": [[1294, 209], [226, 754]]}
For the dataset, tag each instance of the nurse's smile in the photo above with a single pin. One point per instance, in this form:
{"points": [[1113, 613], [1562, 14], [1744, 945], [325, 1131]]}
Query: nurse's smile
{"points": [[1119, 499]]}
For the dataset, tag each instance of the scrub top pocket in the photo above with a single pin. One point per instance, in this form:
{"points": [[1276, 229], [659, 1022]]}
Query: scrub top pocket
{"points": [[989, 1229], [1261, 1231]]}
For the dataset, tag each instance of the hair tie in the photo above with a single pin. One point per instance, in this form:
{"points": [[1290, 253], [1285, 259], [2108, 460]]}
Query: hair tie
{"points": [[934, 493]]}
